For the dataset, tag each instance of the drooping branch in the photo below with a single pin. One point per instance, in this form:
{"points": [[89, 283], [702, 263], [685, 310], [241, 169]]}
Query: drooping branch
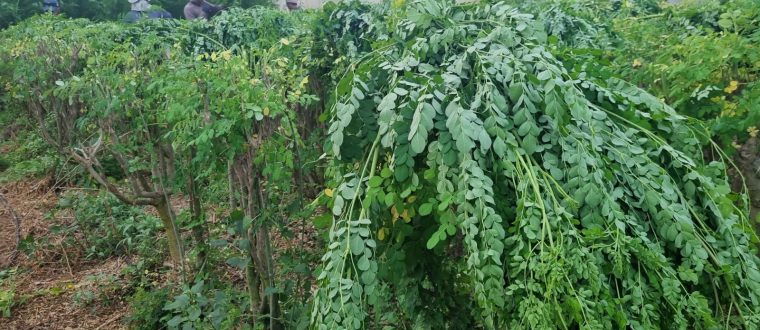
{"points": [[88, 162]]}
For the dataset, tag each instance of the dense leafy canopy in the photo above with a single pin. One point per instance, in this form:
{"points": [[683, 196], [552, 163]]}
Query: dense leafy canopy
{"points": [[566, 196], [701, 57], [486, 167], [173, 105], [15, 11]]}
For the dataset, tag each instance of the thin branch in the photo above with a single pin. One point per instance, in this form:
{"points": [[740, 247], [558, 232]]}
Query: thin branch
{"points": [[16, 222]]}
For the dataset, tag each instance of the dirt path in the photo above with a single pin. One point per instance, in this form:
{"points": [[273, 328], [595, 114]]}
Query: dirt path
{"points": [[47, 284]]}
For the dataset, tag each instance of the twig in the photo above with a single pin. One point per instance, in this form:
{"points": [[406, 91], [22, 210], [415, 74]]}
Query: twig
{"points": [[36, 186], [17, 222], [109, 321], [66, 256], [80, 188], [635, 18]]}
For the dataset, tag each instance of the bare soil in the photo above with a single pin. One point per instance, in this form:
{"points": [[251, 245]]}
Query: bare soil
{"points": [[46, 282]]}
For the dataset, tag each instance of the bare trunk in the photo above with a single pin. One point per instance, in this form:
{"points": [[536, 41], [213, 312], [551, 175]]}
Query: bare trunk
{"points": [[172, 233], [260, 274], [253, 281], [200, 231], [748, 161]]}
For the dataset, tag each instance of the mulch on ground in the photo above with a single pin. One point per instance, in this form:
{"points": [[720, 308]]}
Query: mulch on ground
{"points": [[46, 282]]}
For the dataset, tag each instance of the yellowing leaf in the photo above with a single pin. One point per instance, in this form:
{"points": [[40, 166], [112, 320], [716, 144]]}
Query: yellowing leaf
{"points": [[731, 87], [636, 63], [405, 215], [394, 213], [381, 234], [411, 199], [285, 41], [329, 192], [226, 55], [752, 131], [265, 111], [729, 109], [304, 81]]}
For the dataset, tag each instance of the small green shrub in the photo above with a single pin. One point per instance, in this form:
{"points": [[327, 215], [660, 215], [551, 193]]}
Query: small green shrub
{"points": [[6, 302], [108, 227], [204, 307], [4, 164], [85, 297], [146, 308], [144, 272], [26, 156], [100, 290], [8, 297]]}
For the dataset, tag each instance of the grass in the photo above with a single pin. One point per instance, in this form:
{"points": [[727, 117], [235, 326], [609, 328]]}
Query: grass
{"points": [[23, 154]]}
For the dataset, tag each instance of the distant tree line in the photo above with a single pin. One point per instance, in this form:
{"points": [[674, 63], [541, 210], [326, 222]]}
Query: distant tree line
{"points": [[12, 11]]}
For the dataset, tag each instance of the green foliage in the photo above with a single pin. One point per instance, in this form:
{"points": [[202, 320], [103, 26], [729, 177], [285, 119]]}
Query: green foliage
{"points": [[567, 195], [487, 168], [706, 65], [4, 164], [94, 9], [99, 290], [577, 24], [106, 226], [8, 298], [146, 308], [25, 154], [146, 271], [176, 7], [698, 56], [201, 307], [194, 95], [6, 302], [101, 10], [13, 11], [344, 31]]}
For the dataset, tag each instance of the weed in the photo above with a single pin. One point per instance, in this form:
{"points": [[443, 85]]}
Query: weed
{"points": [[100, 290], [105, 226], [146, 308], [26, 155], [6, 302], [4, 164], [7, 291], [201, 307]]}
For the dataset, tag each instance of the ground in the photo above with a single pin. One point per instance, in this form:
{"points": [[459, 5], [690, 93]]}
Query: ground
{"points": [[48, 285], [58, 288]]}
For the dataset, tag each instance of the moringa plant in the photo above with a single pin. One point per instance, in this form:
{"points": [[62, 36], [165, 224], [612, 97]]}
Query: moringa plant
{"points": [[467, 161]]}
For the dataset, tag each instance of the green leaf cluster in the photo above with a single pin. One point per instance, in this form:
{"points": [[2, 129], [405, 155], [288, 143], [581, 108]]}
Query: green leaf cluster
{"points": [[567, 199]]}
